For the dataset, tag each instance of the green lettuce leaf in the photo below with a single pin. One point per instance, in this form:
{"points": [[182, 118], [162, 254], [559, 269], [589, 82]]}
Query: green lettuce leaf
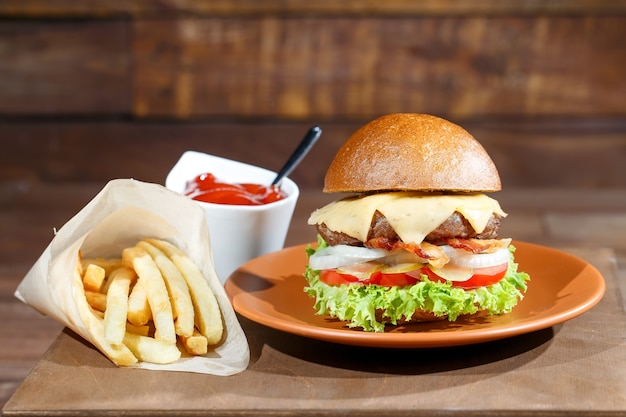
{"points": [[357, 304]]}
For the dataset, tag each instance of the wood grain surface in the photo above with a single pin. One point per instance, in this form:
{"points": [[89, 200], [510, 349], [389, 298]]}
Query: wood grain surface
{"points": [[314, 67], [346, 67], [142, 8], [571, 153]]}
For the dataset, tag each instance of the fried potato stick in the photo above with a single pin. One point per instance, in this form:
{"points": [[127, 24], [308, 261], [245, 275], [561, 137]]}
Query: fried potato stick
{"points": [[138, 308], [196, 344], [208, 314], [93, 277], [138, 330], [147, 349], [117, 305], [108, 264], [178, 290], [96, 300], [158, 298]]}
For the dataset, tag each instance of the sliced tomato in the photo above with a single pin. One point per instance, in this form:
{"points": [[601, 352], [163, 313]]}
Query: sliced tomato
{"points": [[482, 277], [332, 277], [392, 280]]}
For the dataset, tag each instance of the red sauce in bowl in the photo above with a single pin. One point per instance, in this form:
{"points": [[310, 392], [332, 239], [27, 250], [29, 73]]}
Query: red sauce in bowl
{"points": [[206, 188]]}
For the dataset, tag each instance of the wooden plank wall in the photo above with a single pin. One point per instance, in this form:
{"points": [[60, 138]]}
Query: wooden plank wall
{"points": [[91, 91]]}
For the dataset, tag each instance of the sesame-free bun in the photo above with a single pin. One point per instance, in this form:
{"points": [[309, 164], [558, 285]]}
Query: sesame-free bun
{"points": [[411, 152]]}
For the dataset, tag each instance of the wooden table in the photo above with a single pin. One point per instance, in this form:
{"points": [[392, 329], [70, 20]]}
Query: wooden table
{"points": [[575, 368]]}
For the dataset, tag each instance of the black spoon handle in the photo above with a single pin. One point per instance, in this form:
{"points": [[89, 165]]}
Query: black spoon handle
{"points": [[303, 148]]}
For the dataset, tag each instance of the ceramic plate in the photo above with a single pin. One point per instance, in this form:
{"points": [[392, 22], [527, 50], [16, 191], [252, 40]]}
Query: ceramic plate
{"points": [[269, 290]]}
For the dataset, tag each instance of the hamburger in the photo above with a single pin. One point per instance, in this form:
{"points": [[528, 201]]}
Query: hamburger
{"points": [[414, 237]]}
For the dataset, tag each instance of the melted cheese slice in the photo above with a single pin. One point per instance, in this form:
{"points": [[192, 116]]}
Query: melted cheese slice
{"points": [[412, 215]]}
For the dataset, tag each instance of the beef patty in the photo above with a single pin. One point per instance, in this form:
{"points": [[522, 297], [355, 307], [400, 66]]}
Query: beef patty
{"points": [[455, 226]]}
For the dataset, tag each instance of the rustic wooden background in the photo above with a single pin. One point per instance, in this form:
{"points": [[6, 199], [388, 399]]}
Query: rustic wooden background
{"points": [[96, 90]]}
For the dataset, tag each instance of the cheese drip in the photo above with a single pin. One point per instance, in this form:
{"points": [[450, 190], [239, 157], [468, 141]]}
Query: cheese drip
{"points": [[412, 215]]}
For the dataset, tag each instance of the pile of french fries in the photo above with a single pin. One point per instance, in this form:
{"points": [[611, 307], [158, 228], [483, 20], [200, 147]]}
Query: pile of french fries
{"points": [[152, 301]]}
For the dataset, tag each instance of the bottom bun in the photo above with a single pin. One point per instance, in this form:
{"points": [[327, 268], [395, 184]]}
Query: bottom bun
{"points": [[420, 316]]}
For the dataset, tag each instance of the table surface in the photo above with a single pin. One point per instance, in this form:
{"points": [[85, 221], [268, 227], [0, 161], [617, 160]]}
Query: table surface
{"points": [[574, 368]]}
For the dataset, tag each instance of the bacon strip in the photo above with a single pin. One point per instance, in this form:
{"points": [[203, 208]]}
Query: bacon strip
{"points": [[432, 253], [478, 245]]}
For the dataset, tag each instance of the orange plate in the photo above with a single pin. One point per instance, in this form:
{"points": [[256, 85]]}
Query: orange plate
{"points": [[269, 290]]}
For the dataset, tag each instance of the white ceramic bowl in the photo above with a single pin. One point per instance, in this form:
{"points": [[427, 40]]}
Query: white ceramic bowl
{"points": [[237, 233]]}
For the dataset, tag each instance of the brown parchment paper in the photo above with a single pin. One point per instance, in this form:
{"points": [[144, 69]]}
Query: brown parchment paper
{"points": [[124, 212]]}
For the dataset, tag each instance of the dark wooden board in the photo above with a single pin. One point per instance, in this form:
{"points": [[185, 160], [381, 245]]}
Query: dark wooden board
{"points": [[324, 67], [99, 8], [360, 67], [571, 153], [64, 67]]}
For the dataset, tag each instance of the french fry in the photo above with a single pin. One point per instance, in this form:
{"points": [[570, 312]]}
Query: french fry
{"points": [[108, 264], [178, 290], [138, 330], [93, 277], [138, 308], [195, 344], [147, 349], [208, 314], [120, 354], [96, 300], [117, 305], [158, 298]]}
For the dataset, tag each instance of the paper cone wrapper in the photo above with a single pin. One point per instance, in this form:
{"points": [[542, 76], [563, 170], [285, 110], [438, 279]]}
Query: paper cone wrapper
{"points": [[122, 214]]}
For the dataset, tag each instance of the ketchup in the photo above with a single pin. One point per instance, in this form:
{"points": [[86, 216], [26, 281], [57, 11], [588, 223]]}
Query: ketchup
{"points": [[206, 188]]}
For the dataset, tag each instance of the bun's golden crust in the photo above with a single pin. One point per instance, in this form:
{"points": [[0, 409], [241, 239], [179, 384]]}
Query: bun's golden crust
{"points": [[411, 152]]}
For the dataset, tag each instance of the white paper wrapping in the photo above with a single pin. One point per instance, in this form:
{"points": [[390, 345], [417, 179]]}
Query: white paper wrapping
{"points": [[123, 213]]}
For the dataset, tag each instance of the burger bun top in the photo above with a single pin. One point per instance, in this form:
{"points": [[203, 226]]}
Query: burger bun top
{"points": [[411, 152]]}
